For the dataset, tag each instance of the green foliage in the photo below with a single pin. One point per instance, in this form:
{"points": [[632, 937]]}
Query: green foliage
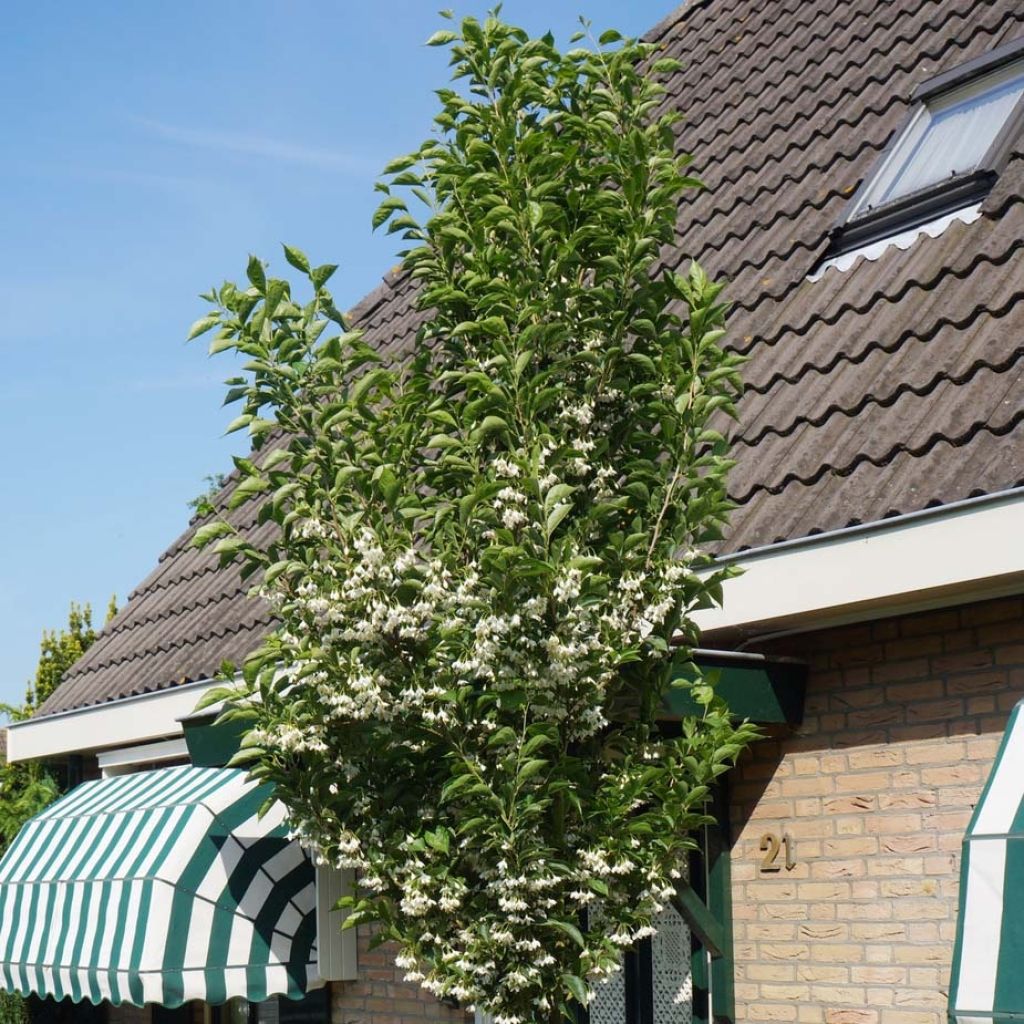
{"points": [[59, 650], [13, 1009], [485, 556]]}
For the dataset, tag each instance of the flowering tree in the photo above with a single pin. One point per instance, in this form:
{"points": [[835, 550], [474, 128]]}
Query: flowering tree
{"points": [[483, 555]]}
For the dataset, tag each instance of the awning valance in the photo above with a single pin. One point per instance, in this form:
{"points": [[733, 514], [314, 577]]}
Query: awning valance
{"points": [[158, 887], [988, 961]]}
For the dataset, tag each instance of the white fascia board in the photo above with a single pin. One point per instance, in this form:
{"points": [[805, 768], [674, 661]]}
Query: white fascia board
{"points": [[117, 723], [969, 551]]}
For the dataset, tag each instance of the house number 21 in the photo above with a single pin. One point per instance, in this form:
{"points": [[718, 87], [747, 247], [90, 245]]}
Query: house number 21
{"points": [[771, 844]]}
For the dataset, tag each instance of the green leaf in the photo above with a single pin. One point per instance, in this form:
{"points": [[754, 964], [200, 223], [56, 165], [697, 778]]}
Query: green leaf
{"points": [[210, 532], [442, 38], [569, 929], [386, 209], [577, 987], [297, 258], [531, 768], [202, 325], [256, 273], [556, 515], [490, 425]]}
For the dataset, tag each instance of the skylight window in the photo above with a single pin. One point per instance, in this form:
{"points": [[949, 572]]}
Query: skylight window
{"points": [[947, 137], [946, 155]]}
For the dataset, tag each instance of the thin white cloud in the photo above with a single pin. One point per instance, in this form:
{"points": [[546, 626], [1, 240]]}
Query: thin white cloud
{"points": [[259, 146]]}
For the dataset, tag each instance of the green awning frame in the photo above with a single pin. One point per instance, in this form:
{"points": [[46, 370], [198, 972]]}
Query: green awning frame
{"points": [[987, 979], [769, 691], [159, 887]]}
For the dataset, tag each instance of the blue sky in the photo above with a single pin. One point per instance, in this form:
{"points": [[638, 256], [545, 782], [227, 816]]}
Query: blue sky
{"points": [[146, 150]]}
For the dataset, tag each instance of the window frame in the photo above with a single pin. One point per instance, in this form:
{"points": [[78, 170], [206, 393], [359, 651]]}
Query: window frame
{"points": [[857, 228]]}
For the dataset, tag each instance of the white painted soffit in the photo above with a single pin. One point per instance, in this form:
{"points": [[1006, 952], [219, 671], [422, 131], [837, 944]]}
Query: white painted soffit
{"points": [[967, 551], [117, 723]]}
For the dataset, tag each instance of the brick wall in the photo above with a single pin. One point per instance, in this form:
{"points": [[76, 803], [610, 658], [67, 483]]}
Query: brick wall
{"points": [[380, 996], [902, 721]]}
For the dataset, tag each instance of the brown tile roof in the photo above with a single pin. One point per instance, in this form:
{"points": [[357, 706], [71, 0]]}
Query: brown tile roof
{"points": [[881, 390]]}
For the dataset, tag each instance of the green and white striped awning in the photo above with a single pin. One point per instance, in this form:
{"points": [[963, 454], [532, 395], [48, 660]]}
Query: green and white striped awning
{"points": [[988, 962], [158, 887]]}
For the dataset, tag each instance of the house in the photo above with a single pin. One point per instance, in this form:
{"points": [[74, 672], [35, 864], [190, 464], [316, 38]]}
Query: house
{"points": [[865, 170]]}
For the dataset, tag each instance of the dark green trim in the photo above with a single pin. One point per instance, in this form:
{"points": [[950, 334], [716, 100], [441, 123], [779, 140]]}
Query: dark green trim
{"points": [[212, 744], [762, 690], [692, 910], [719, 898]]}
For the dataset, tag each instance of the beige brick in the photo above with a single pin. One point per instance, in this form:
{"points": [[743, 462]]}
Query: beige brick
{"points": [[878, 757], [926, 978], [899, 887], [810, 1014], [953, 774], [832, 869], [858, 804], [824, 932], [770, 972], [918, 910], [824, 973], [785, 992], [889, 866], [907, 1017], [771, 1011], [849, 826], [873, 931], [907, 801], [894, 824], [923, 954], [859, 846], [823, 890], [920, 843], [844, 953], [871, 975], [786, 952], [875, 911], [816, 785], [931, 753], [849, 1015], [838, 994], [863, 782]]}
